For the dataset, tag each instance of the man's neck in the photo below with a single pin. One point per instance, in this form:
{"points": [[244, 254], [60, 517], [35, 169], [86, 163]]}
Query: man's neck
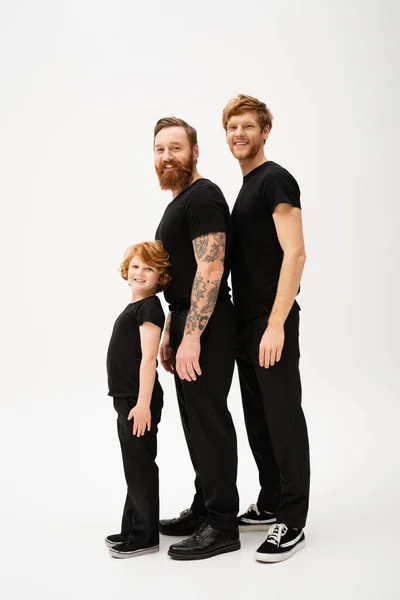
{"points": [[193, 178], [249, 164]]}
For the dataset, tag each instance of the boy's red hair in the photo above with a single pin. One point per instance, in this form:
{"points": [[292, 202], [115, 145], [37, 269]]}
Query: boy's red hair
{"points": [[154, 255]]}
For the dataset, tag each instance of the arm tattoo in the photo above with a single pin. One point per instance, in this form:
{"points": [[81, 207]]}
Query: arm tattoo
{"points": [[199, 287], [212, 296], [209, 248], [168, 324], [200, 246], [209, 253]]}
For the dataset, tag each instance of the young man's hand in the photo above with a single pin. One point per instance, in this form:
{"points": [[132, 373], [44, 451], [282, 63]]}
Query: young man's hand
{"points": [[166, 358], [271, 346], [141, 416]]}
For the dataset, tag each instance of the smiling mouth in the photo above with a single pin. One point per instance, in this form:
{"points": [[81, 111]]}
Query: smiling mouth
{"points": [[240, 143]]}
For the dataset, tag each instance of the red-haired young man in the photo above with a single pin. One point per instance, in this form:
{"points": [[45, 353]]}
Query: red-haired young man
{"points": [[267, 263]]}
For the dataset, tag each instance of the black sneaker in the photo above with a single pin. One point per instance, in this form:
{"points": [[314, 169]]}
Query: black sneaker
{"points": [[256, 520], [114, 539], [280, 544], [131, 549], [185, 524]]}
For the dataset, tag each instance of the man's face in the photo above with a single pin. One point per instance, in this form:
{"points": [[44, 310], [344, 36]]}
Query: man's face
{"points": [[245, 136], [174, 159]]}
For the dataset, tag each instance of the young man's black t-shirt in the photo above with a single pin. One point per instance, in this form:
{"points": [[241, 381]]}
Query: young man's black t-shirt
{"points": [[256, 252], [124, 350], [199, 210]]}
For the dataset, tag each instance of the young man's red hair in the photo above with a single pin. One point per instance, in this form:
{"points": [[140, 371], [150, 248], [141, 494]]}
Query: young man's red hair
{"points": [[242, 104]]}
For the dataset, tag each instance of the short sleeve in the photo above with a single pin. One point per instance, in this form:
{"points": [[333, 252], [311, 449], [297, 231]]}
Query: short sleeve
{"points": [[282, 188], [206, 211], [150, 311]]}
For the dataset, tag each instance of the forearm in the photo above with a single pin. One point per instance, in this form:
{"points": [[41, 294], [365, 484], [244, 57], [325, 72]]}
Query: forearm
{"points": [[288, 285], [147, 377], [167, 328], [204, 296]]}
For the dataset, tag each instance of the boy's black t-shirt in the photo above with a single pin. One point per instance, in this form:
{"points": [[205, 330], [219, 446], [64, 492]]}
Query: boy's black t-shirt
{"points": [[199, 210], [124, 350], [256, 253]]}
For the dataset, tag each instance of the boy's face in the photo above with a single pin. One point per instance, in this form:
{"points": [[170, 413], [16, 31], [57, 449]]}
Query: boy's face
{"points": [[141, 277], [245, 136]]}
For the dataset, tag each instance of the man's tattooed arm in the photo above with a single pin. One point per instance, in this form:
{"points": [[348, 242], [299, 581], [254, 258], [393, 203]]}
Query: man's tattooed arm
{"points": [[167, 327], [209, 251]]}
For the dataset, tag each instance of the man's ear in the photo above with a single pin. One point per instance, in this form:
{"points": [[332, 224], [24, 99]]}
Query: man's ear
{"points": [[196, 151], [266, 132]]}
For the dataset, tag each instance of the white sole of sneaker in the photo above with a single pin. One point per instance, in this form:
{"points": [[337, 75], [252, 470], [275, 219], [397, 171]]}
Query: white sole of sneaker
{"points": [[273, 558], [140, 552], [256, 527], [110, 544]]}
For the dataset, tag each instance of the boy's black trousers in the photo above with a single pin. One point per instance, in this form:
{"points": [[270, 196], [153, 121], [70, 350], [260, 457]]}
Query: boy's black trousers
{"points": [[275, 422], [141, 511], [207, 423]]}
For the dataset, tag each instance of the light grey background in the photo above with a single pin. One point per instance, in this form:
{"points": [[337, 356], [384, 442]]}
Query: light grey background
{"points": [[82, 84]]}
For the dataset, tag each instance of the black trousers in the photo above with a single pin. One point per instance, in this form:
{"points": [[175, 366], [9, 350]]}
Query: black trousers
{"points": [[207, 423], [275, 422], [141, 511]]}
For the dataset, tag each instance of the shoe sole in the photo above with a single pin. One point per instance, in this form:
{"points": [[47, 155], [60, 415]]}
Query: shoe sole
{"points": [[231, 548], [110, 544], [141, 552], [273, 558], [256, 527]]}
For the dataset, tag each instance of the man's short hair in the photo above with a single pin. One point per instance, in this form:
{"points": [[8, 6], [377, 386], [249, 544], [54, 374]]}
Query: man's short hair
{"points": [[241, 104], [175, 122]]}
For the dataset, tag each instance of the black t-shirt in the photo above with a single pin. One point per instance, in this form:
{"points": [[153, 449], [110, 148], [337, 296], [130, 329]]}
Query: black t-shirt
{"points": [[256, 253], [199, 210], [124, 350]]}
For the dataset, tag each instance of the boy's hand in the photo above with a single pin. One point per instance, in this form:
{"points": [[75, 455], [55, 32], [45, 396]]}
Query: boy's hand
{"points": [[141, 416], [166, 358]]}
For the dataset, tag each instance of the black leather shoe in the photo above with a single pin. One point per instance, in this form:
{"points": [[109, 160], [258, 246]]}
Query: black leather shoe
{"points": [[205, 543], [185, 524]]}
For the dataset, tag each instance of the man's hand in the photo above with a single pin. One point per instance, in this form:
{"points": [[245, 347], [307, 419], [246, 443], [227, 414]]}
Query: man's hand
{"points": [[141, 416], [271, 346], [166, 358], [187, 358]]}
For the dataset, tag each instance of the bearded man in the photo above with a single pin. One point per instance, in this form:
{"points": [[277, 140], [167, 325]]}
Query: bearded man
{"points": [[198, 345]]}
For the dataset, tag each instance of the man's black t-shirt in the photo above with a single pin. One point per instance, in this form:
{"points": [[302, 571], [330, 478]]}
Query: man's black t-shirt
{"points": [[124, 350], [199, 210], [256, 253]]}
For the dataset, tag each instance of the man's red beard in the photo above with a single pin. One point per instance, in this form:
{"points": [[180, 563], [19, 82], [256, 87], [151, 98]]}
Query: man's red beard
{"points": [[250, 151], [178, 179]]}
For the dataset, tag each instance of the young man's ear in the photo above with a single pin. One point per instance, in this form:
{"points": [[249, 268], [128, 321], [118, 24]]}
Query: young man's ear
{"points": [[196, 151], [266, 132]]}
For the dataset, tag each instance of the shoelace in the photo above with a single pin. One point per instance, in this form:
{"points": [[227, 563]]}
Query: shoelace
{"points": [[182, 514], [275, 533], [252, 508], [199, 531]]}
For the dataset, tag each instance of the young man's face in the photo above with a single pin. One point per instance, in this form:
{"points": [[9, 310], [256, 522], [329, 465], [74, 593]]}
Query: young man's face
{"points": [[174, 159], [141, 277], [245, 136]]}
